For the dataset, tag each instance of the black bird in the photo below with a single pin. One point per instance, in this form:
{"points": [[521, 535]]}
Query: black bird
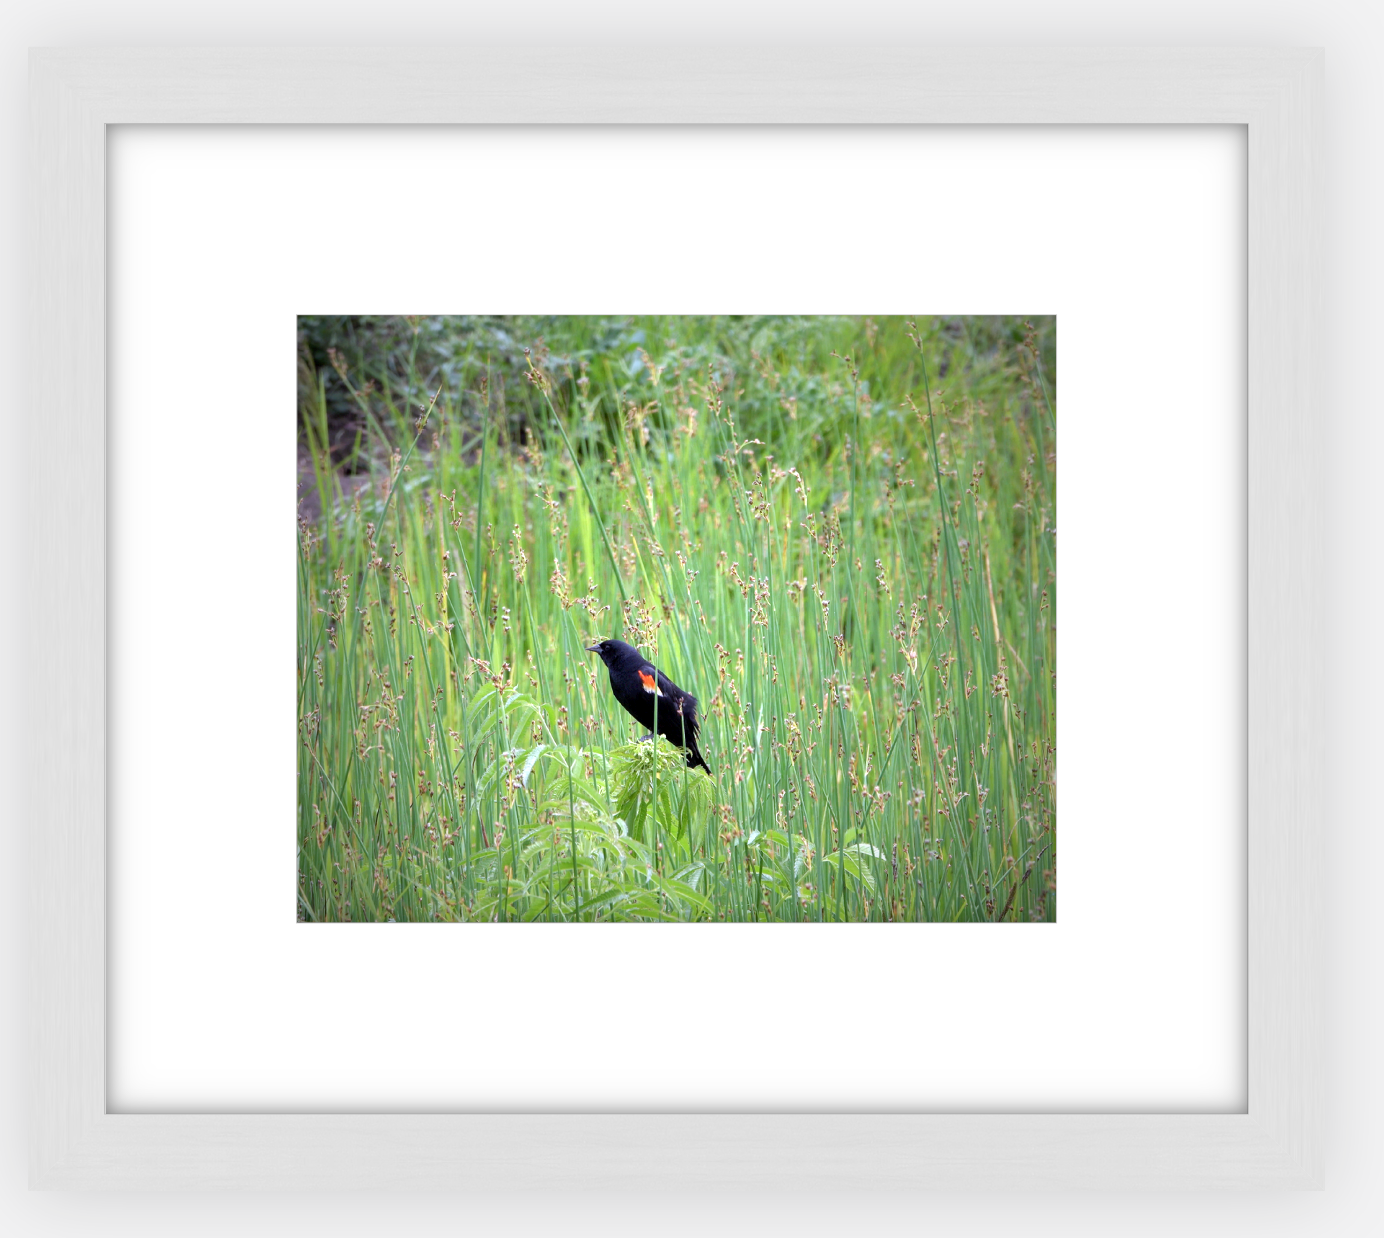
{"points": [[640, 686]]}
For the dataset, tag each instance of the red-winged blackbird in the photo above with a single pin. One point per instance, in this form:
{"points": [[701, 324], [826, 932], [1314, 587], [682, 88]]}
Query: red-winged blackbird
{"points": [[641, 687]]}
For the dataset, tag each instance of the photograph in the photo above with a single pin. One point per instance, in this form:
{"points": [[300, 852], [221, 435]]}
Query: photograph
{"points": [[672, 618]]}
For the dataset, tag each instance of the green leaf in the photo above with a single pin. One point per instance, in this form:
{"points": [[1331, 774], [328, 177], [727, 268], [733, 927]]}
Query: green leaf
{"points": [[529, 762]]}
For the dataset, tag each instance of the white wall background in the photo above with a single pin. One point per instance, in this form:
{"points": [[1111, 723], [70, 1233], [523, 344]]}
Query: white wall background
{"points": [[1351, 33]]}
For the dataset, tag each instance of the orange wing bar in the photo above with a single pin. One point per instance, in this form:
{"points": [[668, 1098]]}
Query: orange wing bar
{"points": [[650, 683]]}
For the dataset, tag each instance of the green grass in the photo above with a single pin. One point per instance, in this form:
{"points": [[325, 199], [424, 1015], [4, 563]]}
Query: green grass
{"points": [[836, 533]]}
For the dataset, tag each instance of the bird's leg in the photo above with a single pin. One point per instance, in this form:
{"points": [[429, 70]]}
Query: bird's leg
{"points": [[644, 739]]}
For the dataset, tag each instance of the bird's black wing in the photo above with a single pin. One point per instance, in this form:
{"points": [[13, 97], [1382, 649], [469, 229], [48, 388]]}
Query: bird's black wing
{"points": [[675, 696]]}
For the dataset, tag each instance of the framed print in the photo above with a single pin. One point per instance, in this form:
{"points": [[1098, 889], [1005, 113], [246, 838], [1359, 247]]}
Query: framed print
{"points": [[189, 1031]]}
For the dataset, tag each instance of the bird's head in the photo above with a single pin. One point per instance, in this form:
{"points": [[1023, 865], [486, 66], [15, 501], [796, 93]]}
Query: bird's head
{"points": [[612, 651]]}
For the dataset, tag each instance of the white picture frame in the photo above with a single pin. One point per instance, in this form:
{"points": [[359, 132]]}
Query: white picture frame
{"points": [[75, 94]]}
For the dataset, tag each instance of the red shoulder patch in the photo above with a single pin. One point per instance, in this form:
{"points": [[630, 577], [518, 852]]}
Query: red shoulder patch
{"points": [[649, 682]]}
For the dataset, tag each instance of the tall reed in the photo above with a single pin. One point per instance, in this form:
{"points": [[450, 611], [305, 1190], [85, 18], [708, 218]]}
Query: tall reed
{"points": [[837, 533]]}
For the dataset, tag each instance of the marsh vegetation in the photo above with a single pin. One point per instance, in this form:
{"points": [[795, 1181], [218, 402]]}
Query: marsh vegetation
{"points": [[836, 532]]}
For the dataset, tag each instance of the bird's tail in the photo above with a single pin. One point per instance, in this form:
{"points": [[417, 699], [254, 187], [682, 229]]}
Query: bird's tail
{"points": [[694, 758]]}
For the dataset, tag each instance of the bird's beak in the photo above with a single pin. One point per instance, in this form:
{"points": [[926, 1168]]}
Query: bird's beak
{"points": [[596, 648]]}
